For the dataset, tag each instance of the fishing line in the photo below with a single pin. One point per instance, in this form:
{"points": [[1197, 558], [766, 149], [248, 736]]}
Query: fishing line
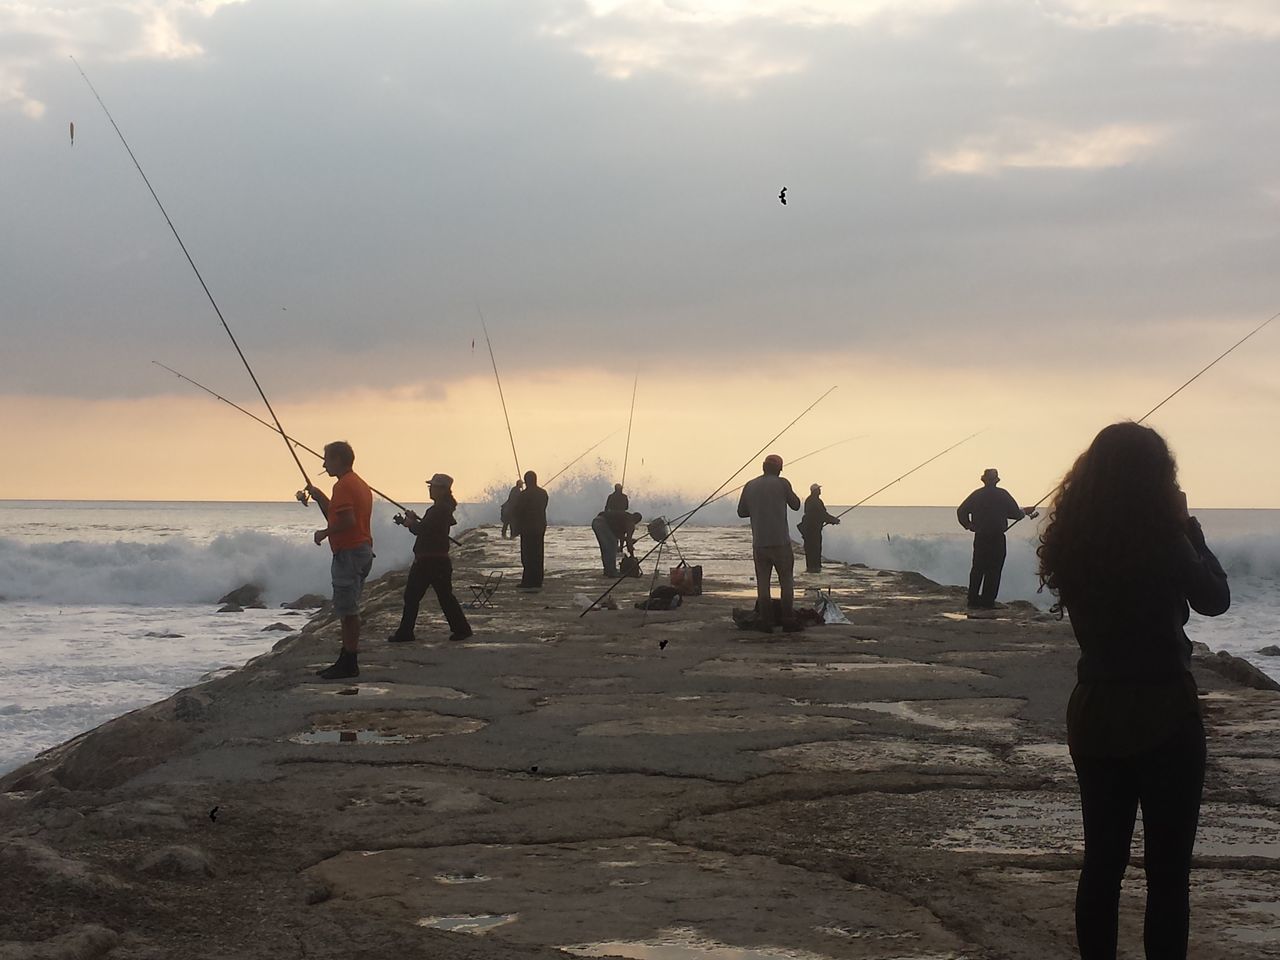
{"points": [[298, 443], [710, 497], [626, 453], [548, 483], [790, 463], [1197, 376], [280, 429], [907, 474], [1184, 386], [501, 398]]}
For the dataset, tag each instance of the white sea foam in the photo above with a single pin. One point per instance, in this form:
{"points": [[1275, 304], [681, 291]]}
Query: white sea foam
{"points": [[180, 568]]}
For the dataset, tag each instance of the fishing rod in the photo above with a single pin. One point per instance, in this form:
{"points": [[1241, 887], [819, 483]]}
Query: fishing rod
{"points": [[548, 483], [626, 453], [811, 453], [272, 427], [907, 474], [710, 497], [1184, 386], [235, 343], [515, 456]]}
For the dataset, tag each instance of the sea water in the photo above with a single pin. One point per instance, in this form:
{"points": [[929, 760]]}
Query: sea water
{"points": [[109, 606]]}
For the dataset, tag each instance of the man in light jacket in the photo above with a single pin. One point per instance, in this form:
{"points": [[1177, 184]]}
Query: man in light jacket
{"points": [[765, 501]]}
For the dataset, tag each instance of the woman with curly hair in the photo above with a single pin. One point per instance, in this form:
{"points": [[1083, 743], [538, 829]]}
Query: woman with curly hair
{"points": [[1127, 563]]}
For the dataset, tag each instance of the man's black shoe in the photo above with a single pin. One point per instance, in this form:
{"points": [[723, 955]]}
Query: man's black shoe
{"points": [[459, 637], [399, 637], [345, 666]]}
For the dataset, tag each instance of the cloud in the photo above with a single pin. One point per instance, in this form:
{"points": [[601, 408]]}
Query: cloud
{"points": [[722, 46], [111, 30], [1028, 145], [1245, 16]]}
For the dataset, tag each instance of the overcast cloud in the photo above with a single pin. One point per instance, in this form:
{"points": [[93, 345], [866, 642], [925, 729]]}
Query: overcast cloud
{"points": [[1076, 181]]}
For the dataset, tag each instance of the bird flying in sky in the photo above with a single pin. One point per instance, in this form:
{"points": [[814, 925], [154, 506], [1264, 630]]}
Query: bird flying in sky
{"points": [[783, 196]]}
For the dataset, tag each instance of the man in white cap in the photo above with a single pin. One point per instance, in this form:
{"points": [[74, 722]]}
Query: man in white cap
{"points": [[431, 564], [811, 524], [987, 512], [765, 500]]}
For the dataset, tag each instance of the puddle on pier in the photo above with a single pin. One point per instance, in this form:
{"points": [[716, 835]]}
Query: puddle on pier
{"points": [[351, 736], [384, 726], [469, 923], [407, 690], [453, 878], [679, 947]]}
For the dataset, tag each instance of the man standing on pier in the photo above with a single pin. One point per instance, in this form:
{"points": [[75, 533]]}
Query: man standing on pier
{"points": [[765, 500], [987, 512], [349, 512], [617, 500], [530, 524], [811, 524]]}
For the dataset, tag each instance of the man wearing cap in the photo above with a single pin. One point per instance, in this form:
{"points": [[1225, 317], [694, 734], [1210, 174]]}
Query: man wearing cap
{"points": [[431, 564], [765, 501], [986, 512], [811, 524], [349, 512]]}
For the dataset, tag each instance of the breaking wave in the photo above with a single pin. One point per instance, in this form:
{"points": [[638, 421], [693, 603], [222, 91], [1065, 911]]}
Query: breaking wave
{"points": [[178, 570]]}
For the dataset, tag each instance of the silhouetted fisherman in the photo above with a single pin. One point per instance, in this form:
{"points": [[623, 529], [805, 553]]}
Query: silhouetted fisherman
{"points": [[765, 500], [349, 512], [615, 531], [507, 511], [431, 564], [617, 500], [811, 524], [987, 512], [529, 521]]}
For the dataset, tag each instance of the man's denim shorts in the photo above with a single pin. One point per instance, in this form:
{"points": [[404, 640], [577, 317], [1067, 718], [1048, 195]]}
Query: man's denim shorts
{"points": [[348, 571]]}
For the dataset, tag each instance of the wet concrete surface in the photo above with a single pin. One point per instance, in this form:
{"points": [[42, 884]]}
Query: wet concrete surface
{"points": [[665, 787]]}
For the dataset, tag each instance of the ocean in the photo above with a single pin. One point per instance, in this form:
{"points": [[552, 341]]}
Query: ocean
{"points": [[108, 606]]}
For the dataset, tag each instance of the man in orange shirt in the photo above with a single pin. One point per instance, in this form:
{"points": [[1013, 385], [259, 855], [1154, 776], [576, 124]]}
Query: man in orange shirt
{"points": [[349, 511]]}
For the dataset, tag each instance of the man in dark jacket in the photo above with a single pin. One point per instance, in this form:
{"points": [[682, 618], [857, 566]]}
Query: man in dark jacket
{"points": [[530, 516], [507, 510], [987, 512], [431, 564], [617, 500], [811, 524]]}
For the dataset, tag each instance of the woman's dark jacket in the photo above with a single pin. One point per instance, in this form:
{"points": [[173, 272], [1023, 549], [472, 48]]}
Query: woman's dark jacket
{"points": [[1134, 685]]}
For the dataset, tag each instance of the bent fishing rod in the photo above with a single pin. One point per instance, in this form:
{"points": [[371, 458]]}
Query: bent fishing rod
{"points": [[811, 453], [204, 286], [553, 477], [907, 474], [510, 436], [1184, 386], [272, 427], [711, 496]]}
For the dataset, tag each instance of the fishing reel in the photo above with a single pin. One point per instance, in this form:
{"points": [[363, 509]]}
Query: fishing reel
{"points": [[399, 520], [303, 497]]}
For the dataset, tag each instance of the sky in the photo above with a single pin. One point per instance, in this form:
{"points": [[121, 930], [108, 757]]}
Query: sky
{"points": [[1025, 219]]}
